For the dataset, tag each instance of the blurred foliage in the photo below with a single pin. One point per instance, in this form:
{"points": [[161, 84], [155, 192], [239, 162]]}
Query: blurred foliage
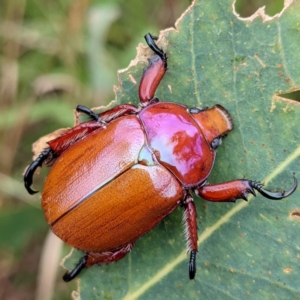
{"points": [[55, 55]]}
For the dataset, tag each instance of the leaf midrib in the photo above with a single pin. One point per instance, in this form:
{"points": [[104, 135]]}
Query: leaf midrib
{"points": [[209, 231]]}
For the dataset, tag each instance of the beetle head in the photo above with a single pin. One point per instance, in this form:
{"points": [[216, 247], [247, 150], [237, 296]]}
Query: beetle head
{"points": [[214, 122]]}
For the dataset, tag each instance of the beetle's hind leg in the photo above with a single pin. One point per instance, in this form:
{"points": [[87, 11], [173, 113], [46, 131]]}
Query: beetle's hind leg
{"points": [[153, 74], [28, 176], [191, 232], [79, 267], [95, 258]]}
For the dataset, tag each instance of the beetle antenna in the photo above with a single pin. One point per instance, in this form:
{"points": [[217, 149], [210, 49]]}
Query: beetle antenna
{"points": [[90, 113]]}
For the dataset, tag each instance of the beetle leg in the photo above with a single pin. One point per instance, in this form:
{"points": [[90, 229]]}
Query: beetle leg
{"points": [[107, 257], [93, 258], [150, 41], [81, 265], [73, 135], [239, 189], [90, 113], [111, 114], [32, 168], [154, 73], [119, 111], [191, 234], [66, 140]]}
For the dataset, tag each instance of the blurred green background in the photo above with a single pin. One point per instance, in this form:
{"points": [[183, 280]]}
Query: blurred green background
{"points": [[54, 55]]}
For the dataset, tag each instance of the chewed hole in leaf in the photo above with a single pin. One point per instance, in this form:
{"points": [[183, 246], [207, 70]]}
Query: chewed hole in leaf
{"points": [[293, 96], [287, 270], [246, 8], [295, 214]]}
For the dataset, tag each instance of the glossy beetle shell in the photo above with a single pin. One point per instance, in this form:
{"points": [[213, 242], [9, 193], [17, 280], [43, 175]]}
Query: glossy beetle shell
{"points": [[181, 147], [112, 193]]}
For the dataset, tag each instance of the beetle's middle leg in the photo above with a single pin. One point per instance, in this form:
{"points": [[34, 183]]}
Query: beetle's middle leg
{"points": [[109, 115], [191, 232], [154, 73]]}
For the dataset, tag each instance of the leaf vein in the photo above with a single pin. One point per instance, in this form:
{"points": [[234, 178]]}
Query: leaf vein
{"points": [[165, 270]]}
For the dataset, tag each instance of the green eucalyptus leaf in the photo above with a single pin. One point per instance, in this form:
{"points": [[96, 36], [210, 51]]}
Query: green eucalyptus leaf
{"points": [[247, 250]]}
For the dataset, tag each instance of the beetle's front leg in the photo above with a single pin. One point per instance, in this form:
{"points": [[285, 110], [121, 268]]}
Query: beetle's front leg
{"points": [[191, 232], [239, 189], [154, 73]]}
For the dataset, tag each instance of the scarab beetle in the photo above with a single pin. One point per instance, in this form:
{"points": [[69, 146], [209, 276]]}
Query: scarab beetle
{"points": [[115, 177]]}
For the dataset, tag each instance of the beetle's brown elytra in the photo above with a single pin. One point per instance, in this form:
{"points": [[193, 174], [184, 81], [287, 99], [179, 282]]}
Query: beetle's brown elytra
{"points": [[118, 175]]}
